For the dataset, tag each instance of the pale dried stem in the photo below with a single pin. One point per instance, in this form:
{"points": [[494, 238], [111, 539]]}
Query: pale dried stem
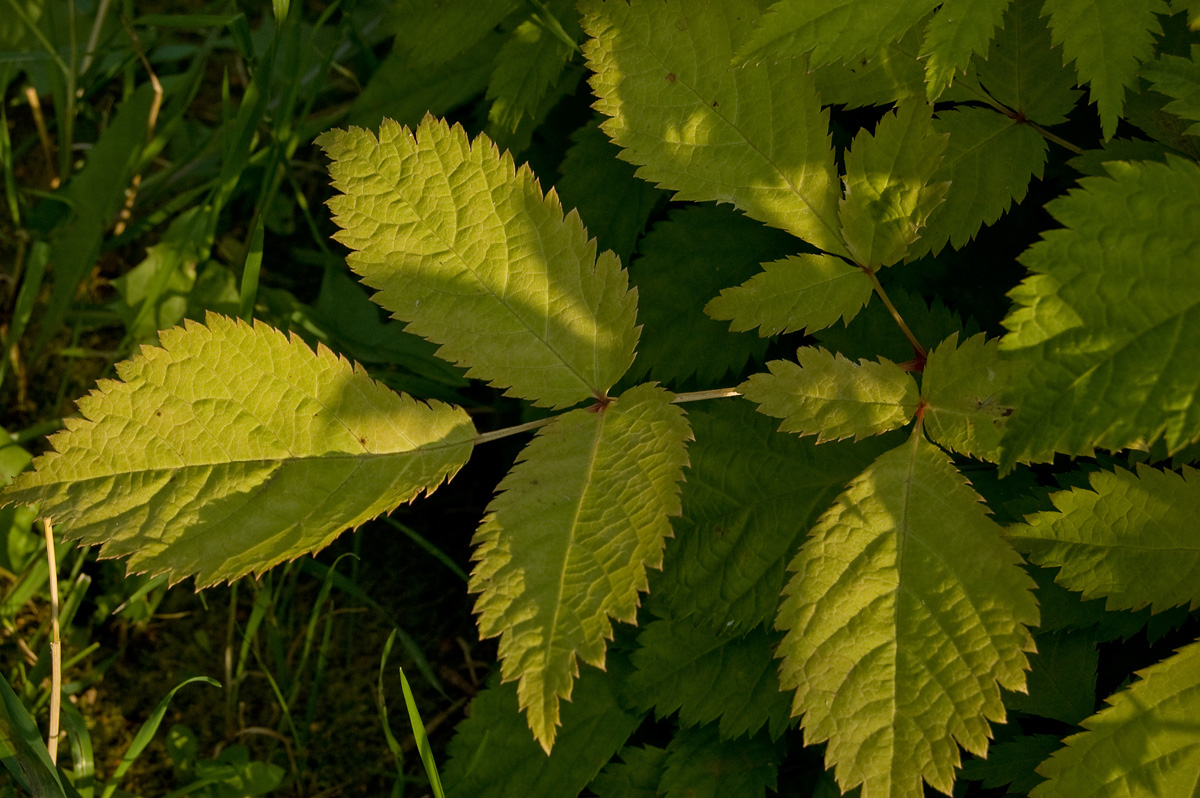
{"points": [[55, 646]]}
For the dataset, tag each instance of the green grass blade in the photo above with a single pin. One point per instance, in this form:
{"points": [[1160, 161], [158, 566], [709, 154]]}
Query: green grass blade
{"points": [[35, 271], [22, 749], [250, 271], [83, 761], [414, 717], [146, 733], [310, 631], [438, 554], [381, 705], [355, 592]]}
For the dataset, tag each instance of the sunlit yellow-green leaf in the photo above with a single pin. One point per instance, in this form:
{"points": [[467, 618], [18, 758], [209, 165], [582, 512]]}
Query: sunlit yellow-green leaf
{"points": [[755, 137], [1145, 745], [801, 292], [230, 449], [831, 30], [826, 395], [906, 614], [465, 248], [1107, 40], [1104, 330], [1132, 538], [565, 546], [962, 387], [959, 30], [888, 190]]}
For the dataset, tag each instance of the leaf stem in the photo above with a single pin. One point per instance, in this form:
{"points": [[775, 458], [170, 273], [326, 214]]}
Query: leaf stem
{"points": [[1059, 140], [887, 303], [697, 396], [691, 396], [497, 434]]}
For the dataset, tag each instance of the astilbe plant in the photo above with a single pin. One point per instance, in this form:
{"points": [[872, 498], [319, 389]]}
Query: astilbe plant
{"points": [[837, 571]]}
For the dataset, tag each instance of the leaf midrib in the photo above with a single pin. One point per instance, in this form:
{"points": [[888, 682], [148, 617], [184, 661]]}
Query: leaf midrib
{"points": [[432, 230]]}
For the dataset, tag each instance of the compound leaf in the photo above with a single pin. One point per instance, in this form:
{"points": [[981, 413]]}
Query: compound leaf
{"points": [[230, 449], [684, 261], [989, 162], [906, 613], [1024, 71], [1178, 78], [962, 388], [1132, 538], [833, 398], [830, 30], [888, 190], [464, 247], [801, 292], [1144, 745], [492, 754], [959, 30], [566, 544], [1103, 333], [750, 496], [1108, 40], [702, 765], [754, 137], [730, 677]]}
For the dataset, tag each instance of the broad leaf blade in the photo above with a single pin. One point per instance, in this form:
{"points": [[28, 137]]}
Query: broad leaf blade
{"points": [[731, 678], [636, 776], [1062, 681], [802, 292], [833, 398], [1145, 745], [888, 190], [702, 765], [962, 387], [566, 544], [527, 66], [890, 76], [906, 614], [231, 449], [1132, 538], [750, 496], [989, 162], [464, 247], [1178, 78], [493, 756], [1103, 333], [434, 31], [1024, 71], [755, 137], [1108, 40], [1012, 763], [684, 261], [959, 30], [613, 203], [830, 30]]}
